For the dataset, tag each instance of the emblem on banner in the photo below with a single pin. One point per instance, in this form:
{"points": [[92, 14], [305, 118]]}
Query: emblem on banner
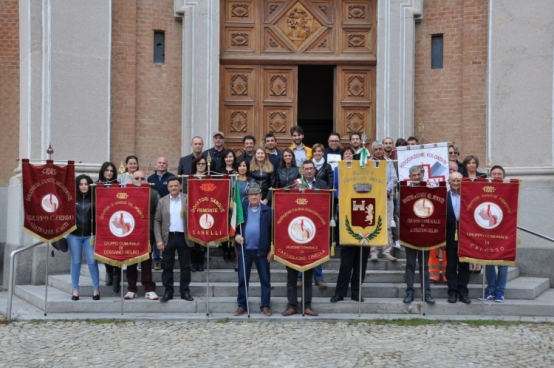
{"points": [[362, 188], [208, 187], [488, 215], [122, 223], [423, 208], [302, 230], [50, 203], [363, 212], [206, 221]]}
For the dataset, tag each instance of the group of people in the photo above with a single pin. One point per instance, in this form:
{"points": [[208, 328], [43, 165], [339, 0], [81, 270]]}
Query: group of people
{"points": [[257, 170]]}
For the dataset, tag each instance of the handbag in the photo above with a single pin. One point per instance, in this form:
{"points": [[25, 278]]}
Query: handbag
{"points": [[61, 245]]}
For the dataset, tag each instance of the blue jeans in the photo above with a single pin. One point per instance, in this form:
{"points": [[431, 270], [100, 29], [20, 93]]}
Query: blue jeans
{"points": [[76, 244], [318, 274], [496, 283], [262, 265], [156, 254]]}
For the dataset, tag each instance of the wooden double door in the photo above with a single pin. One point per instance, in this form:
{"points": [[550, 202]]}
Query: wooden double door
{"points": [[262, 45]]}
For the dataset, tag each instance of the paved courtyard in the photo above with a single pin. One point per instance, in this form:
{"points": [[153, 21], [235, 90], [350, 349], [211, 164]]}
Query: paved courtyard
{"points": [[227, 343]]}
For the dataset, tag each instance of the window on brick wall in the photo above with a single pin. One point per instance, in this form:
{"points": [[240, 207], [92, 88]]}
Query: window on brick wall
{"points": [[159, 47], [436, 51]]}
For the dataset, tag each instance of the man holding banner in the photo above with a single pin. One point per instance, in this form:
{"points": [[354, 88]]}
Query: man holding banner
{"points": [[457, 273], [254, 238], [170, 231]]}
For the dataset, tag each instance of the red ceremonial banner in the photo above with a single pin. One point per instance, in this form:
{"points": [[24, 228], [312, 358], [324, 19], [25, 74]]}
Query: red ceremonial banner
{"points": [[48, 200], [208, 210], [488, 222], [422, 216], [301, 222], [122, 224]]}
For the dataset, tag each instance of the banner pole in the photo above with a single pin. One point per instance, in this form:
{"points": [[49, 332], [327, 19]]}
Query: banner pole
{"points": [[46, 281], [245, 283], [483, 295], [208, 284], [423, 283], [121, 278], [360, 287], [303, 304]]}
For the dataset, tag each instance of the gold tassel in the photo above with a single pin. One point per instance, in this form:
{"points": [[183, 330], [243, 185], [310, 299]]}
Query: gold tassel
{"points": [[333, 250], [518, 239], [456, 235], [92, 240], [272, 248]]}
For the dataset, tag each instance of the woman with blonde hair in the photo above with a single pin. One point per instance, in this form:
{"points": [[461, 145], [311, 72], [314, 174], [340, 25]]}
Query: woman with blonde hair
{"points": [[261, 171]]}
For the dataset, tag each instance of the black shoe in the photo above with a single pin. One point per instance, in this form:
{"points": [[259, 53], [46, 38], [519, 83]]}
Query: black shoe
{"points": [[452, 298], [465, 299], [409, 298], [109, 280], [75, 297], [429, 299], [96, 297], [193, 267], [357, 298], [336, 298], [187, 297], [200, 267], [166, 298]]}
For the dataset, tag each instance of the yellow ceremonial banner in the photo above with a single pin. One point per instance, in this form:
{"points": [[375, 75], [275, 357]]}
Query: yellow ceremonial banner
{"points": [[363, 203]]}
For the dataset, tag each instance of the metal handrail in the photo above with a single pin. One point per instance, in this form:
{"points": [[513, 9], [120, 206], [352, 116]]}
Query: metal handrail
{"points": [[11, 279], [536, 234]]}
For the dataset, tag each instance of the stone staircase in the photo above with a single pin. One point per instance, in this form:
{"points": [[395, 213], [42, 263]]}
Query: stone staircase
{"points": [[383, 290]]}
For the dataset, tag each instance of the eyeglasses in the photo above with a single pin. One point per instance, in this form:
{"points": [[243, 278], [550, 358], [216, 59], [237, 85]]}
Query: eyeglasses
{"points": [[334, 141], [201, 163], [139, 178]]}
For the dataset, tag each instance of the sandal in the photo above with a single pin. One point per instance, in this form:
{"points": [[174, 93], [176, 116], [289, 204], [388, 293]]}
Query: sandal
{"points": [[130, 295]]}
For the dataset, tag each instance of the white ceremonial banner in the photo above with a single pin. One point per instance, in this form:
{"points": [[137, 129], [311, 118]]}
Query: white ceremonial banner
{"points": [[433, 158]]}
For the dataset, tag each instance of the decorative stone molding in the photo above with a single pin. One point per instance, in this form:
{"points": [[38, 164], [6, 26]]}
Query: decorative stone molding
{"points": [[395, 66], [200, 77]]}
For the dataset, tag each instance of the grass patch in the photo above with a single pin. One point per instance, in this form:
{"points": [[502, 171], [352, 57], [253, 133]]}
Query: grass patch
{"points": [[105, 321], [224, 320], [409, 322]]}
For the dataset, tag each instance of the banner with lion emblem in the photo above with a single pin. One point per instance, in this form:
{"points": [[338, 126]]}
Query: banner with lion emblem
{"points": [[488, 222], [363, 203], [301, 221], [122, 224]]}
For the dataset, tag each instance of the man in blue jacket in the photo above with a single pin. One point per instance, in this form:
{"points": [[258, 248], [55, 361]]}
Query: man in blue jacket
{"points": [[254, 239]]}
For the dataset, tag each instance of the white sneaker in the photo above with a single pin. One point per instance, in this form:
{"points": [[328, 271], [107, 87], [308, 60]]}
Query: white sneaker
{"points": [[151, 295], [392, 223], [374, 258], [130, 295], [397, 245], [389, 257]]}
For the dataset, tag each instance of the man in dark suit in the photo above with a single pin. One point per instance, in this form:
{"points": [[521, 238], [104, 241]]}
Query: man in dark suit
{"points": [[457, 273], [185, 163], [170, 231], [311, 182]]}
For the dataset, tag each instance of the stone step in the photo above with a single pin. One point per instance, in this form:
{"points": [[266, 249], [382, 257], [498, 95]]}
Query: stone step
{"points": [[279, 274], [59, 302], [519, 288]]}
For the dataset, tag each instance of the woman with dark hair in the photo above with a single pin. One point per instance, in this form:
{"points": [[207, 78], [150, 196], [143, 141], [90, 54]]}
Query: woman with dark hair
{"points": [[229, 158], [453, 154], [79, 239], [471, 163], [261, 171], [287, 172], [324, 171], [131, 165], [243, 181], [199, 169], [108, 175]]}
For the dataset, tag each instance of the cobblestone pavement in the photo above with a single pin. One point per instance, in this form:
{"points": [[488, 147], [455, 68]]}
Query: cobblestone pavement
{"points": [[274, 344]]}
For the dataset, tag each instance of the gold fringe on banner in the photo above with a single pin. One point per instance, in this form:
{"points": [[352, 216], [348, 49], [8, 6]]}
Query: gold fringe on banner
{"points": [[485, 262], [33, 234], [422, 248], [127, 262], [210, 243], [301, 268]]}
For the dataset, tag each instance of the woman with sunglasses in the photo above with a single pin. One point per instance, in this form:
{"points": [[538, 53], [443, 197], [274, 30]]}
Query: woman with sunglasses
{"points": [[453, 154], [199, 170]]}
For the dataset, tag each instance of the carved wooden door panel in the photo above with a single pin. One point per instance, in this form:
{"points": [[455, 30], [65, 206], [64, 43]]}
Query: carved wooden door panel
{"points": [[257, 100], [354, 100]]}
